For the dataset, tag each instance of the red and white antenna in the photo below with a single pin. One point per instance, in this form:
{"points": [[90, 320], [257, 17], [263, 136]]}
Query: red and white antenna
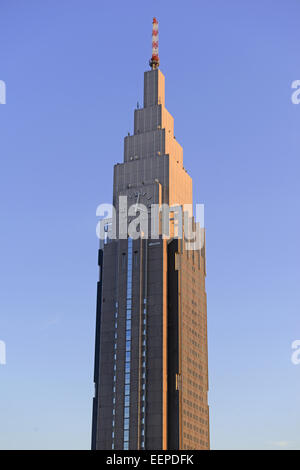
{"points": [[154, 61]]}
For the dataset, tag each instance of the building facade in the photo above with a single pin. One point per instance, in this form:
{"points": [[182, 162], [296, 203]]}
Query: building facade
{"points": [[151, 369]]}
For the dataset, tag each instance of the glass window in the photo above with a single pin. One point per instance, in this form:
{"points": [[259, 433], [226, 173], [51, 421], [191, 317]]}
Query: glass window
{"points": [[128, 325], [126, 435], [125, 445], [127, 359], [126, 423], [127, 367], [127, 378], [128, 345], [128, 335], [126, 412], [127, 400], [127, 389]]}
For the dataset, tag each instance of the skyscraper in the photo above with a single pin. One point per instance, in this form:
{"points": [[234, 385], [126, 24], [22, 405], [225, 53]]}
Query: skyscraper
{"points": [[151, 374]]}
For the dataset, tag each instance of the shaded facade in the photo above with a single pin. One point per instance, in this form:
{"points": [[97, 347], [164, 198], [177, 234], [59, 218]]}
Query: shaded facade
{"points": [[151, 377]]}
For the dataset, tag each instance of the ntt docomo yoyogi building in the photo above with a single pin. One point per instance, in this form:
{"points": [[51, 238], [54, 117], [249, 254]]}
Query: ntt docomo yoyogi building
{"points": [[151, 367]]}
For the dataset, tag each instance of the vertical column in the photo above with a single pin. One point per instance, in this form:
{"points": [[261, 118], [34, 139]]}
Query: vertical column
{"points": [[128, 347]]}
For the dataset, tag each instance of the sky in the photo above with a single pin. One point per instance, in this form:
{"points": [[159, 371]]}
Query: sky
{"points": [[74, 73]]}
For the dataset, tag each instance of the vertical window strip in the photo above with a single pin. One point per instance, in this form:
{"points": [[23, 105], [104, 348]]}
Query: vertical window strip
{"points": [[144, 376], [114, 378], [128, 348]]}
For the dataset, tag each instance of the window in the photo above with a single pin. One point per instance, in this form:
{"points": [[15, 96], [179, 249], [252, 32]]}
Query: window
{"points": [[127, 356], [127, 389], [126, 423], [127, 368], [125, 445], [127, 400], [126, 412], [128, 345], [127, 378], [126, 435]]}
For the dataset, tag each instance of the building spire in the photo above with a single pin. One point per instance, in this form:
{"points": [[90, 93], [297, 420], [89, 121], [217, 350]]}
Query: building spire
{"points": [[154, 61]]}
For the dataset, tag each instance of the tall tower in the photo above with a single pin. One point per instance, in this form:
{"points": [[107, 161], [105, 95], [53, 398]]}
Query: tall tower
{"points": [[151, 374]]}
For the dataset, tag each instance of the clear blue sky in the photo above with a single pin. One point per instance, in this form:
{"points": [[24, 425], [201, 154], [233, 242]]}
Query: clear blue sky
{"points": [[74, 72]]}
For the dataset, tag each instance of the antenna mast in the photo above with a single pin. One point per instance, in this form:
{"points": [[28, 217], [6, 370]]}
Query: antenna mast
{"points": [[154, 61]]}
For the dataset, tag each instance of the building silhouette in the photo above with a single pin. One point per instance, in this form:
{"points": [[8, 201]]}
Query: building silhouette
{"points": [[151, 369]]}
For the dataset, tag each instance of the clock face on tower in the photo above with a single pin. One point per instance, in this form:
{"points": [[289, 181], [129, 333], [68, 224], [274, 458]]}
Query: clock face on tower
{"points": [[140, 197]]}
